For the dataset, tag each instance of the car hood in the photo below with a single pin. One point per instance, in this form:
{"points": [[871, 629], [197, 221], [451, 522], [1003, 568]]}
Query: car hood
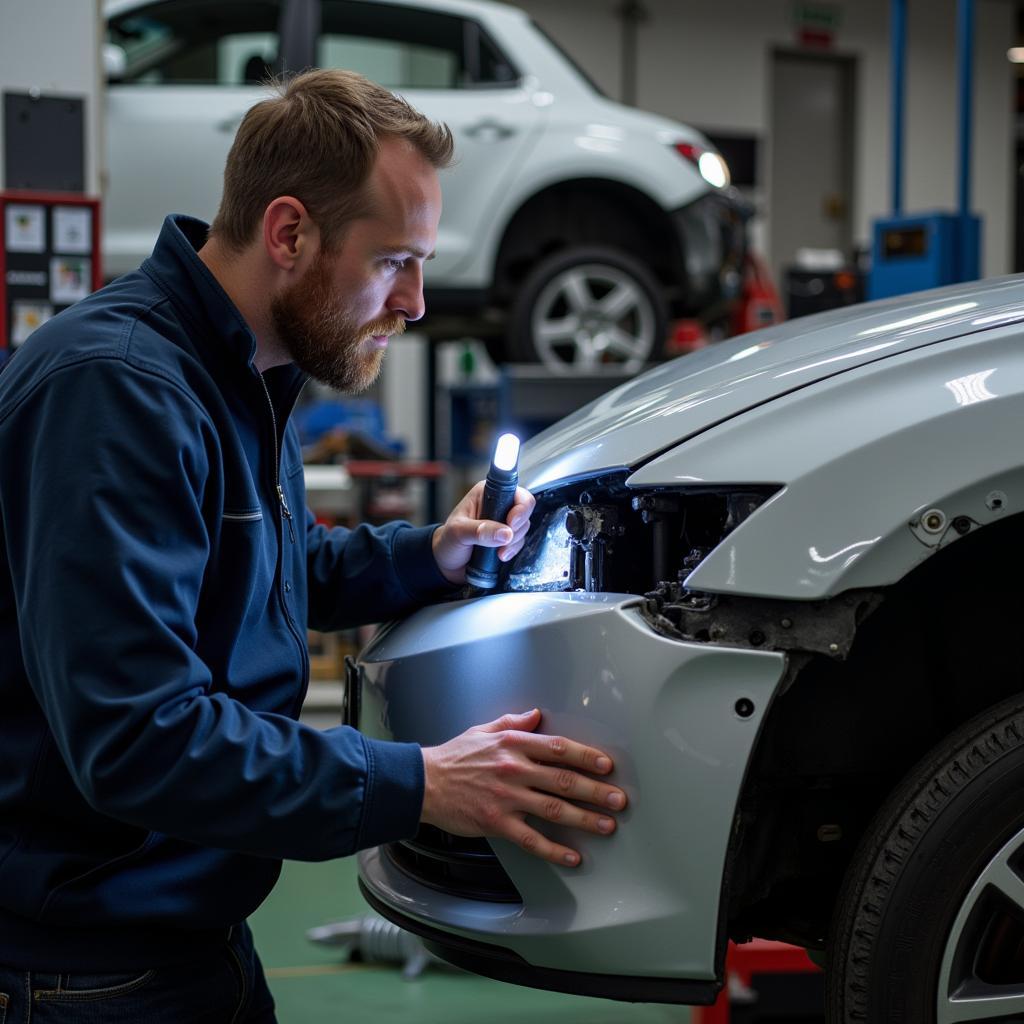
{"points": [[663, 407]]}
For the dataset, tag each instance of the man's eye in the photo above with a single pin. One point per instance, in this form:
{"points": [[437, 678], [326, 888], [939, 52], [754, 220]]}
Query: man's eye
{"points": [[395, 264]]}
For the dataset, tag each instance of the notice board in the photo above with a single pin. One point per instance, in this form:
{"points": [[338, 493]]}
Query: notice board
{"points": [[49, 259]]}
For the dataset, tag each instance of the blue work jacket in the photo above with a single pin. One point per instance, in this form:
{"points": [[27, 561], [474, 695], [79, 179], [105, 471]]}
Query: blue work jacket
{"points": [[158, 570]]}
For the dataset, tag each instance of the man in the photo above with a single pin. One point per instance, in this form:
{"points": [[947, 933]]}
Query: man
{"points": [[157, 580]]}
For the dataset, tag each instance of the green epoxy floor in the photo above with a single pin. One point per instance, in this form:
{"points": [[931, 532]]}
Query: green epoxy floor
{"points": [[313, 984]]}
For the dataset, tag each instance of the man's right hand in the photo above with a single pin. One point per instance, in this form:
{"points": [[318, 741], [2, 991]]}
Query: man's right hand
{"points": [[485, 782]]}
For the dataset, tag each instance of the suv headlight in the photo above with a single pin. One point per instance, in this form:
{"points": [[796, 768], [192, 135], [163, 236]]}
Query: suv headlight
{"points": [[713, 169]]}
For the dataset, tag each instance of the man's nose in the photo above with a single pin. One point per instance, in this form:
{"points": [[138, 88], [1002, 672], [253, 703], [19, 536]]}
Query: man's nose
{"points": [[406, 298]]}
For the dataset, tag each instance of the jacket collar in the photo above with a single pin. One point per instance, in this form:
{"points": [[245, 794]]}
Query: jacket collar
{"points": [[201, 302], [194, 291]]}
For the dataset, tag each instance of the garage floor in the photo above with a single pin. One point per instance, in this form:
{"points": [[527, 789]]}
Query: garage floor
{"points": [[312, 984]]}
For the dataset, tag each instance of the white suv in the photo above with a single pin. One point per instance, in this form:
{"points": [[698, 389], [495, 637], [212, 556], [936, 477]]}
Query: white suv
{"points": [[574, 229]]}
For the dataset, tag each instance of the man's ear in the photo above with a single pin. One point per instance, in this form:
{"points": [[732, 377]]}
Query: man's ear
{"points": [[290, 237]]}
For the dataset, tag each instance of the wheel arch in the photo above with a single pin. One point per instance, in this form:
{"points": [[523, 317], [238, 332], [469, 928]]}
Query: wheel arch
{"points": [[588, 211], [841, 736]]}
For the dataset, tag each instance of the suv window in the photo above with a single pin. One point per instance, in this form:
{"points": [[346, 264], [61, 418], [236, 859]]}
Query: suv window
{"points": [[198, 42], [409, 48]]}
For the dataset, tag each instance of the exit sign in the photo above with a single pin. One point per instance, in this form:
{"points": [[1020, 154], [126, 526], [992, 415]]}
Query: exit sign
{"points": [[816, 23]]}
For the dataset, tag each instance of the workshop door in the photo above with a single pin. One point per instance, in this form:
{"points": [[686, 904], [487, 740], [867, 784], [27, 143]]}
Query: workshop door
{"points": [[811, 146]]}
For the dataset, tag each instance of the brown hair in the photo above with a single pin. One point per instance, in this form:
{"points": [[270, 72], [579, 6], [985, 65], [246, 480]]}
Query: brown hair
{"points": [[317, 140]]}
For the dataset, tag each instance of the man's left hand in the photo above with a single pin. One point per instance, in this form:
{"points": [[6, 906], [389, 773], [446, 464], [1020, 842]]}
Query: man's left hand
{"points": [[454, 540]]}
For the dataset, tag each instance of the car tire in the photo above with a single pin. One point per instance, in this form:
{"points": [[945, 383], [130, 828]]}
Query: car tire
{"points": [[589, 309], [930, 924]]}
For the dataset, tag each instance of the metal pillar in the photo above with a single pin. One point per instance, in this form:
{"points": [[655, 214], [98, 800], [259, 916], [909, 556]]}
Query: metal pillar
{"points": [[898, 23], [967, 268], [965, 72]]}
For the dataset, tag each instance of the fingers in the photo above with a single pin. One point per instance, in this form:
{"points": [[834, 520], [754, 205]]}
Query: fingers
{"points": [[511, 548], [490, 534], [532, 841], [565, 784], [496, 779], [549, 806], [519, 520], [508, 537], [561, 812], [561, 751], [522, 508], [556, 758], [525, 720]]}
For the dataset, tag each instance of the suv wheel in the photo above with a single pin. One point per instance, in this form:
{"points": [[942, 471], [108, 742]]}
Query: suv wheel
{"points": [[930, 925], [588, 309]]}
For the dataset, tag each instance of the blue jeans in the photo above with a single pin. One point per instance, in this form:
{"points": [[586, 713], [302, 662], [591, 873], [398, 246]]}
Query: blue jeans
{"points": [[226, 987]]}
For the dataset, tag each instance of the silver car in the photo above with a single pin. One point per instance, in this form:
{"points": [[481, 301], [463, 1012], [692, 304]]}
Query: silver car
{"points": [[779, 580]]}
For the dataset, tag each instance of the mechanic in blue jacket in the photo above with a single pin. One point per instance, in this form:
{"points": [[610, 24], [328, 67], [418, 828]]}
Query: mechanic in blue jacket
{"points": [[158, 571]]}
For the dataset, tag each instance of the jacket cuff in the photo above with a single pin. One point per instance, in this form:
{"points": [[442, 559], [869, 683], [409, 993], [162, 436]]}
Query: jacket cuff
{"points": [[414, 559], [393, 799]]}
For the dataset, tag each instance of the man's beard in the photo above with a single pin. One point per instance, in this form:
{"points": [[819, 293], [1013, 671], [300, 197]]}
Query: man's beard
{"points": [[323, 339]]}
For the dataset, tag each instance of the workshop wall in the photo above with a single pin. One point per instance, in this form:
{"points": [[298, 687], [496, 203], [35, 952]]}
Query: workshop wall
{"points": [[709, 65], [43, 45]]}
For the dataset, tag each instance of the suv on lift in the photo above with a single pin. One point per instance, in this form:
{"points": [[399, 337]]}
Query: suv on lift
{"points": [[574, 230]]}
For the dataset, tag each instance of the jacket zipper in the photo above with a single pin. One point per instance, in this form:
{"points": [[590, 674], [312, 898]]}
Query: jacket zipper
{"points": [[286, 516], [286, 512]]}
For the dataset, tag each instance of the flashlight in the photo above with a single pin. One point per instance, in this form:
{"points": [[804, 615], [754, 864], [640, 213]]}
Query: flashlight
{"points": [[499, 494]]}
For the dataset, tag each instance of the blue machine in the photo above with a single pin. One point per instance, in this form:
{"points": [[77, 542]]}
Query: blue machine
{"points": [[911, 252]]}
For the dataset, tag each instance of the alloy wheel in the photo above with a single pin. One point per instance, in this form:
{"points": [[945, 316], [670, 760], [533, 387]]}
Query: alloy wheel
{"points": [[594, 317], [982, 972]]}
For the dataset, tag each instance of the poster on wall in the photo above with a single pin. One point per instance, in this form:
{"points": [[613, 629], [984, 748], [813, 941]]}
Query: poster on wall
{"points": [[27, 316], [25, 228], [72, 230], [70, 279], [49, 259]]}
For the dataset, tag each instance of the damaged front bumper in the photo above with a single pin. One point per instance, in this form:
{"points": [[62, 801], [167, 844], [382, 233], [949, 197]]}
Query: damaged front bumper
{"points": [[639, 918]]}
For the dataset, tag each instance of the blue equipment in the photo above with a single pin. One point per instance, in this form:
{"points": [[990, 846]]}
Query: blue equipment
{"points": [[916, 251], [911, 252]]}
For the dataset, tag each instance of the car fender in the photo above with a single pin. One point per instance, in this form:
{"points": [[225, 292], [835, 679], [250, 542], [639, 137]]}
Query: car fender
{"points": [[561, 154], [880, 467]]}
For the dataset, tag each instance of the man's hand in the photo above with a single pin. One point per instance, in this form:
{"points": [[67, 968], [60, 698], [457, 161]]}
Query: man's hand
{"points": [[453, 541], [487, 780]]}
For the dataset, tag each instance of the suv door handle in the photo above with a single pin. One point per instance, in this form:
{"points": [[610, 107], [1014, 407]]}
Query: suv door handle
{"points": [[490, 130]]}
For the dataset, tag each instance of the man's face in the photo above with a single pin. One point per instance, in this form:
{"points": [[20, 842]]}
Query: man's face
{"points": [[335, 321]]}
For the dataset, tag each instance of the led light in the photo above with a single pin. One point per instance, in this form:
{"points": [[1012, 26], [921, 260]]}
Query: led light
{"points": [[506, 452], [1015, 54]]}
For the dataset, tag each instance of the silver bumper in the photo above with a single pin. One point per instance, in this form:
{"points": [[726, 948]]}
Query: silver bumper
{"points": [[644, 902]]}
